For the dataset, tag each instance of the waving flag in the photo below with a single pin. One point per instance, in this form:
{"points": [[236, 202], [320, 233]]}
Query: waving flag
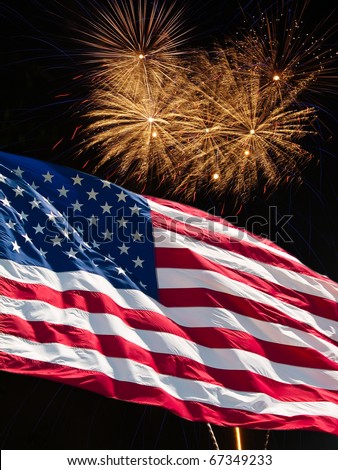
{"points": [[154, 302]]}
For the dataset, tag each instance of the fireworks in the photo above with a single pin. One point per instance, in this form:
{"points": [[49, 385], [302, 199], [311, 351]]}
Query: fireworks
{"points": [[227, 120], [134, 44]]}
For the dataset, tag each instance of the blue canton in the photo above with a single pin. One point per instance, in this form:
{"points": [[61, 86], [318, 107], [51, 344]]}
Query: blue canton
{"points": [[66, 220]]}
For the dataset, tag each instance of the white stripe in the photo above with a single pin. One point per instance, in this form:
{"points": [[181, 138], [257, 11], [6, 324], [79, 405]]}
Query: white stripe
{"points": [[281, 276], [196, 317], [212, 317], [224, 229], [76, 280], [191, 390], [174, 278], [168, 343]]}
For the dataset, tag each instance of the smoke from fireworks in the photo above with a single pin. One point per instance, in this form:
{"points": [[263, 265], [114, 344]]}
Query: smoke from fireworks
{"points": [[227, 120]]}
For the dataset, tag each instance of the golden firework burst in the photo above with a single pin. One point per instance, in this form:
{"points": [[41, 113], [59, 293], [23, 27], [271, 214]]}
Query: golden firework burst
{"points": [[240, 129], [229, 120], [134, 43]]}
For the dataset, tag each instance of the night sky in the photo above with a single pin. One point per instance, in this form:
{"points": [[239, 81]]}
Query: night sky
{"points": [[41, 95]]}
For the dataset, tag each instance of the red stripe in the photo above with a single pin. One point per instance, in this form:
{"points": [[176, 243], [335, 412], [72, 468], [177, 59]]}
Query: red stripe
{"points": [[168, 364], [193, 211], [200, 297], [225, 242], [188, 210], [183, 258], [95, 303], [193, 411]]}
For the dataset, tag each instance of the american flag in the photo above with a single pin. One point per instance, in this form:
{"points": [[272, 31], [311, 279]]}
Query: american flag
{"points": [[154, 302]]}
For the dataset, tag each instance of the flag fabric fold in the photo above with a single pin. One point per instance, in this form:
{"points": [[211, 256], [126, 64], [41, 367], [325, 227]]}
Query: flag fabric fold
{"points": [[155, 302]]}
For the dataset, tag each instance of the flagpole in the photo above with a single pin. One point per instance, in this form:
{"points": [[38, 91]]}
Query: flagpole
{"points": [[238, 438], [213, 437]]}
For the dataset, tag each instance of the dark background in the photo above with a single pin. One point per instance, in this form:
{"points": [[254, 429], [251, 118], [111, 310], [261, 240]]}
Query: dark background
{"points": [[41, 103]]}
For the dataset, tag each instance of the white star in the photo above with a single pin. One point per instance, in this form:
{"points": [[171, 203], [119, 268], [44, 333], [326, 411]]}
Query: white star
{"points": [[50, 202], [6, 202], [23, 216], [16, 247], [35, 203], [18, 172], [39, 228], [107, 235], [11, 224], [106, 184], [34, 186], [77, 180], [18, 191], [92, 220], [92, 194], [63, 191], [79, 230], [135, 210], [71, 253], [122, 196], [43, 253], [143, 285], [120, 271], [65, 232], [122, 222], [106, 208], [77, 206], [56, 240], [27, 238], [3, 178], [51, 216], [48, 177], [124, 249], [137, 236], [96, 245], [138, 262]]}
